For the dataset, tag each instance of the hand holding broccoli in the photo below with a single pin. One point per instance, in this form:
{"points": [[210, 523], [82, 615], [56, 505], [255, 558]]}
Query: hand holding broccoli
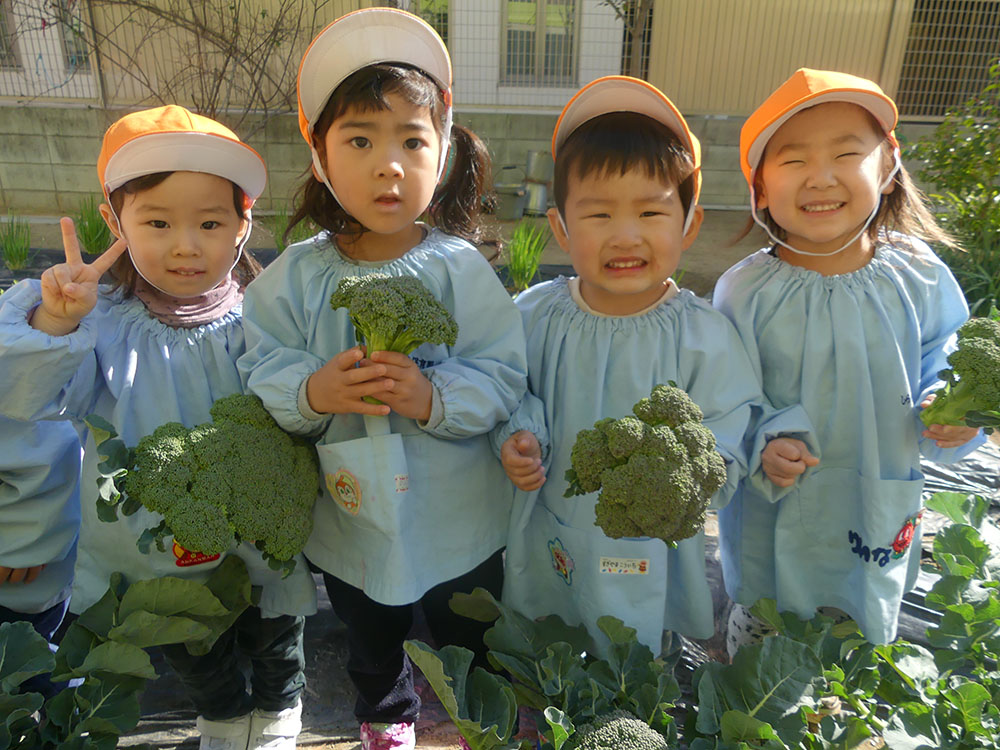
{"points": [[342, 386], [970, 396], [656, 471]]}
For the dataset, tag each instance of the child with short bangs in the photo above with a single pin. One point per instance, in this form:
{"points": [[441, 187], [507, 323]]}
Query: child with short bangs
{"points": [[852, 316], [160, 345], [627, 179]]}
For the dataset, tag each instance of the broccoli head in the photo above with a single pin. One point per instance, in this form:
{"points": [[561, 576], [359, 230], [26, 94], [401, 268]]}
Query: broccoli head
{"points": [[394, 313], [617, 730], [239, 477], [971, 392], [655, 471]]}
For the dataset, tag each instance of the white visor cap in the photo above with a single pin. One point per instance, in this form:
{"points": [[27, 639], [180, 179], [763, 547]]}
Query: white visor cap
{"points": [[187, 152], [362, 38]]}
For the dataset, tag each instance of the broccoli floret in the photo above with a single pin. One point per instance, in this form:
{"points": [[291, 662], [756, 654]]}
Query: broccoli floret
{"points": [[667, 405], [971, 393], [394, 313], [655, 477], [239, 477], [617, 730]]}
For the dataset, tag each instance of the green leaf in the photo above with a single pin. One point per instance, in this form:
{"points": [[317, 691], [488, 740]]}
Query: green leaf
{"points": [[99, 618], [481, 706], [100, 428], [230, 584], [109, 705], [479, 605], [969, 699], [739, 727], [23, 655], [170, 596], [117, 457], [117, 658], [73, 649], [145, 629], [769, 681], [560, 725]]}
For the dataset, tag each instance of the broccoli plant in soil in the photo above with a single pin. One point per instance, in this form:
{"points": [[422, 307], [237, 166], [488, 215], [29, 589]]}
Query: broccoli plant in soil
{"points": [[237, 478], [655, 471], [971, 392]]}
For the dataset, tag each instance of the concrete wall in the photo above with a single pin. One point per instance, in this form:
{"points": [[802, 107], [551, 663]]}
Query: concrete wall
{"points": [[48, 154]]}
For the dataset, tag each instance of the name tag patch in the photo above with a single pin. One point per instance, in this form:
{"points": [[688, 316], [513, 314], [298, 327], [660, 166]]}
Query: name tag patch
{"points": [[620, 566]]}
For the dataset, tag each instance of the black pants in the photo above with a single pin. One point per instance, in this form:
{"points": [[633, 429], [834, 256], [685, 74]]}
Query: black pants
{"points": [[377, 664], [215, 681]]}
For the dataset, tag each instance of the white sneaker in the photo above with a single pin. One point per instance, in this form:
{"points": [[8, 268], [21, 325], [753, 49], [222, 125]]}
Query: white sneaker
{"points": [[275, 730], [230, 734]]}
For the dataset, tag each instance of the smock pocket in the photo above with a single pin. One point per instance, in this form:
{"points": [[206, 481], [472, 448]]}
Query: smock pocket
{"points": [[580, 575], [839, 511], [368, 480]]}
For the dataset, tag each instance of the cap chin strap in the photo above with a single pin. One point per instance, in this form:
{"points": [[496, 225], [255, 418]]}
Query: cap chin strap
{"points": [[319, 172], [248, 215], [885, 183]]}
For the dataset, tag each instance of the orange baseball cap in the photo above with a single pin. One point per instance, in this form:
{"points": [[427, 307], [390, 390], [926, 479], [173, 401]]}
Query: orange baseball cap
{"points": [[807, 88], [626, 94], [173, 139]]}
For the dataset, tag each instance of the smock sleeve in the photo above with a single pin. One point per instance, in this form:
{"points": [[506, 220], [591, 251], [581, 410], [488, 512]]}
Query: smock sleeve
{"points": [[944, 312], [43, 376], [277, 361], [484, 376]]}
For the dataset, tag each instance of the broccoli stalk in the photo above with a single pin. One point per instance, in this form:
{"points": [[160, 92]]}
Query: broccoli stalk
{"points": [[239, 477], [971, 392], [655, 471]]}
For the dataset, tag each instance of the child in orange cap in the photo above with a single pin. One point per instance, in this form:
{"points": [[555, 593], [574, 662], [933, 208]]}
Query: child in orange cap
{"points": [[851, 315], [416, 506], [160, 345], [627, 179]]}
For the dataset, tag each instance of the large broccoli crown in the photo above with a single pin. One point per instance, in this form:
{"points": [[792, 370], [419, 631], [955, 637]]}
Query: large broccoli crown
{"points": [[617, 730], [238, 477], [655, 471], [394, 313], [971, 394]]}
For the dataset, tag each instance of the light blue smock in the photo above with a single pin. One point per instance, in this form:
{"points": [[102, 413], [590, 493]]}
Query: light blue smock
{"points": [[39, 510], [137, 373], [859, 351], [459, 498], [584, 367]]}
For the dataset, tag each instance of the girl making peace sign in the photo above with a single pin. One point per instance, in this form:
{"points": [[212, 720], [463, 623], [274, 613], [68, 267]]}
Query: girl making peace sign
{"points": [[160, 345]]}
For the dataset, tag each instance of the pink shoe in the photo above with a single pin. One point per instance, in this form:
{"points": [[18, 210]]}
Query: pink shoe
{"points": [[388, 736]]}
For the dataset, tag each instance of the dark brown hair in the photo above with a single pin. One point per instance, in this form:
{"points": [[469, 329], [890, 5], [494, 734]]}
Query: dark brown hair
{"points": [[123, 273], [458, 203], [619, 142], [902, 212]]}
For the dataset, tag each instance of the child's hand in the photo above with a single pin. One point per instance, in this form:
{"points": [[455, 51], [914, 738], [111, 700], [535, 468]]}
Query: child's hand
{"points": [[69, 290], [947, 435], [785, 459], [19, 575], [409, 392], [339, 385], [521, 456]]}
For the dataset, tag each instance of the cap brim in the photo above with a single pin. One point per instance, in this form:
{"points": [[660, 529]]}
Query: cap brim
{"points": [[881, 108], [366, 37], [187, 152], [622, 94]]}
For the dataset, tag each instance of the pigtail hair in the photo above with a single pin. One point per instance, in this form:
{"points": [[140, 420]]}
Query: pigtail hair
{"points": [[458, 205]]}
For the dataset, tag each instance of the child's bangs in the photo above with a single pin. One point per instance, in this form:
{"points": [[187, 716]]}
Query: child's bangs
{"points": [[368, 89]]}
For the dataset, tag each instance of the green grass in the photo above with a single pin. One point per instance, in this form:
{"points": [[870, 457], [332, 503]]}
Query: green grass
{"points": [[277, 223], [15, 242], [91, 229], [524, 252]]}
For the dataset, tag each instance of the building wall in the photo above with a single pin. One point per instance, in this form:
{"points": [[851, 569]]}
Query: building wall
{"points": [[726, 56]]}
